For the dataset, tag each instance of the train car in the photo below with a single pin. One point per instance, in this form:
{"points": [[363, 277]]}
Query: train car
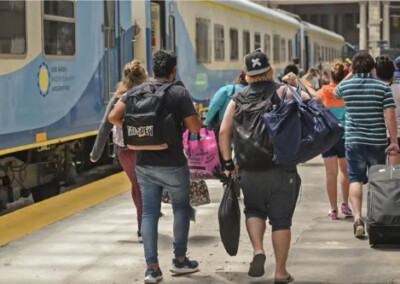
{"points": [[59, 64], [323, 46], [212, 37]]}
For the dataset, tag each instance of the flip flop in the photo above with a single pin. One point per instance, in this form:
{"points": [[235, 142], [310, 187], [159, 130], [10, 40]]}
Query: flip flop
{"points": [[287, 280], [257, 266]]}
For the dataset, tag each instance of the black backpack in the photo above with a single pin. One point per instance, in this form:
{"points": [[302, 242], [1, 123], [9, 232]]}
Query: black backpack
{"points": [[252, 146], [147, 124]]}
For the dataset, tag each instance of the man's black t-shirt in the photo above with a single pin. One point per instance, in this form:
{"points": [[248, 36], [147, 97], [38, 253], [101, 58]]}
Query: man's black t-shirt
{"points": [[178, 102]]}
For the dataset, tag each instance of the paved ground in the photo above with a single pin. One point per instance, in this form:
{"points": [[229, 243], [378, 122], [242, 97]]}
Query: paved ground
{"points": [[99, 245]]}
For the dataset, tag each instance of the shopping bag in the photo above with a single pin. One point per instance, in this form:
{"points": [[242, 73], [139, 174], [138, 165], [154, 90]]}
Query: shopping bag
{"points": [[202, 153], [301, 130], [229, 218]]}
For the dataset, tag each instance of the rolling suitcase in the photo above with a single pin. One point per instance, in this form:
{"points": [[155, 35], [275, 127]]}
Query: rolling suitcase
{"points": [[383, 210]]}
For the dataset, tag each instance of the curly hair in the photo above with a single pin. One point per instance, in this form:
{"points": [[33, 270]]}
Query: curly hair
{"points": [[134, 75], [363, 62], [385, 68], [164, 62]]}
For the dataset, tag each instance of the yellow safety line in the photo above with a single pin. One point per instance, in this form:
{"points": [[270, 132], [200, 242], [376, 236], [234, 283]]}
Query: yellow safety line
{"points": [[49, 142], [39, 215]]}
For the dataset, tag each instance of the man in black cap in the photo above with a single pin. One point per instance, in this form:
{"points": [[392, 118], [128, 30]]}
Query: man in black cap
{"points": [[270, 191]]}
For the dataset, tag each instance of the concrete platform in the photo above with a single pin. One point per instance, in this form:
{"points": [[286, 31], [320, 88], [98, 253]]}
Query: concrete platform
{"points": [[99, 245]]}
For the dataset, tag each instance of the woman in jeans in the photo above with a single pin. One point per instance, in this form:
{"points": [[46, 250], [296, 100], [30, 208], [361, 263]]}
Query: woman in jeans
{"points": [[335, 157], [134, 75]]}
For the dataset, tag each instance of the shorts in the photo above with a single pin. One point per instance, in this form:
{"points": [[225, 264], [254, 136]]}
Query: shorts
{"points": [[337, 151], [271, 194], [360, 157]]}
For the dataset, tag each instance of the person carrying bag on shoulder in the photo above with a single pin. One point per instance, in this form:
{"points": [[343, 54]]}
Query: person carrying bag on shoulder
{"points": [[270, 191]]}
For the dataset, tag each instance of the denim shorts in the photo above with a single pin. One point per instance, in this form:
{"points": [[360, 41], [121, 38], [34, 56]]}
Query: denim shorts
{"points": [[337, 151], [360, 157]]}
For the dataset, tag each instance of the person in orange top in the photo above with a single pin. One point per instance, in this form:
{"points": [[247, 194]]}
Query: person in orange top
{"points": [[335, 158]]}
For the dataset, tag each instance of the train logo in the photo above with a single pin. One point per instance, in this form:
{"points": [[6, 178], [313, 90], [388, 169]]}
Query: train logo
{"points": [[44, 79]]}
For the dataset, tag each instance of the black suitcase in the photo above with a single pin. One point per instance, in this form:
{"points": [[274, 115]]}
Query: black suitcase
{"points": [[383, 210]]}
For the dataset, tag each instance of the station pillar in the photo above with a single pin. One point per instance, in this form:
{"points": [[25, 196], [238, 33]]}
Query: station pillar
{"points": [[386, 22], [374, 27], [363, 26]]}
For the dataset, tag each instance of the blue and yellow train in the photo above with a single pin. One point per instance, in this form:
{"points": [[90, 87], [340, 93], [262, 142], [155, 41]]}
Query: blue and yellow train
{"points": [[60, 62]]}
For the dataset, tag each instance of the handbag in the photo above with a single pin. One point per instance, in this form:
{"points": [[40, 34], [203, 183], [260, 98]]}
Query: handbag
{"points": [[199, 194], [301, 130], [202, 153]]}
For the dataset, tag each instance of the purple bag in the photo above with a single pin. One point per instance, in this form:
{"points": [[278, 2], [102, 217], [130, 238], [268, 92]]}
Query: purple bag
{"points": [[202, 153]]}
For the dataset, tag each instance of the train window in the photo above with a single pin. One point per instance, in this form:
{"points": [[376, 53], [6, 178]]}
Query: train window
{"points": [[172, 36], [283, 50], [246, 43], [203, 43], [267, 45], [12, 28], [59, 28], [276, 44], [59, 8], [219, 42], [317, 54], [234, 38], [290, 49], [323, 54], [257, 40]]}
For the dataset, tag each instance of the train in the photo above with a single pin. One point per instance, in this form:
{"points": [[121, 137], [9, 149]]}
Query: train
{"points": [[61, 60]]}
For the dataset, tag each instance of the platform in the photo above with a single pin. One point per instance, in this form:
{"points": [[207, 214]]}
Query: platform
{"points": [[99, 245]]}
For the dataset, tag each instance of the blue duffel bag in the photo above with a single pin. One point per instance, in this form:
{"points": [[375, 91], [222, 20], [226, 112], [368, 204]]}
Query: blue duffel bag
{"points": [[301, 130]]}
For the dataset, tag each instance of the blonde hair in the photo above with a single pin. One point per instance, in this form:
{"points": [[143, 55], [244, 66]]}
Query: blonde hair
{"points": [[267, 76], [134, 75]]}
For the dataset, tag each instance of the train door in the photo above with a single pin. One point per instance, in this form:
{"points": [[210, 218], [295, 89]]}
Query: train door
{"points": [[112, 52]]}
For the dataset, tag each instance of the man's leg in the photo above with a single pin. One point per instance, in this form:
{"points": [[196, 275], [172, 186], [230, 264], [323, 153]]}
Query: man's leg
{"points": [[356, 195], [177, 182], [281, 243], [357, 157], [151, 196], [256, 230]]}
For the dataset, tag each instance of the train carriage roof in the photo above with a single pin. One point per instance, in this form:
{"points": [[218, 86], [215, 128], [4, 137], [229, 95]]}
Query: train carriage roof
{"points": [[322, 32], [258, 10]]}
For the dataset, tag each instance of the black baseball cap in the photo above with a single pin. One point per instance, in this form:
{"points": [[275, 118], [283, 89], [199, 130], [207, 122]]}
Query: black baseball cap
{"points": [[257, 63]]}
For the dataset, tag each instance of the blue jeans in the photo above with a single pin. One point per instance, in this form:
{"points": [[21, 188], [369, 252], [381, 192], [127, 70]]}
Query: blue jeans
{"points": [[152, 181], [360, 157]]}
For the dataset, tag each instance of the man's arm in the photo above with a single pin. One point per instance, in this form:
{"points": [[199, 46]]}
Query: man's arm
{"points": [[193, 123], [225, 133], [391, 125], [117, 114]]}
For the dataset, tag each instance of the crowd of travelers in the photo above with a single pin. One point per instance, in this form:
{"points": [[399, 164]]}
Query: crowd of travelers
{"points": [[362, 94]]}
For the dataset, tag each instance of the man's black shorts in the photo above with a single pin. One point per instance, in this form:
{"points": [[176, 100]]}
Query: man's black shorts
{"points": [[271, 194]]}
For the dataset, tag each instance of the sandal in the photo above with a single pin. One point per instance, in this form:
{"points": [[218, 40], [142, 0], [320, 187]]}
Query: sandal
{"points": [[287, 280], [257, 266]]}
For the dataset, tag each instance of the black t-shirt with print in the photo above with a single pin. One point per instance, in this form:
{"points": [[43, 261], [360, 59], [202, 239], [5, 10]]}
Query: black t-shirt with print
{"points": [[178, 102]]}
